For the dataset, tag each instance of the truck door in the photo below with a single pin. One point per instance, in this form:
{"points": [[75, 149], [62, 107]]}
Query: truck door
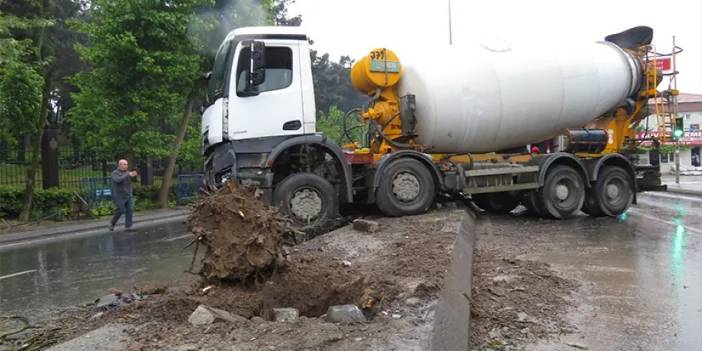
{"points": [[275, 108]]}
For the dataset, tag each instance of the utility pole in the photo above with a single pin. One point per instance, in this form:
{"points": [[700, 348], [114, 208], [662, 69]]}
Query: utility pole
{"points": [[449, 24], [675, 116]]}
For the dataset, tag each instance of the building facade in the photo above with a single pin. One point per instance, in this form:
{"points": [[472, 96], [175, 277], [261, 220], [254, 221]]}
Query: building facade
{"points": [[690, 110]]}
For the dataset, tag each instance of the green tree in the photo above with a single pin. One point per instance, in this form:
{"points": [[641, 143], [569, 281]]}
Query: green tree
{"points": [[25, 106], [141, 82], [332, 83], [331, 123]]}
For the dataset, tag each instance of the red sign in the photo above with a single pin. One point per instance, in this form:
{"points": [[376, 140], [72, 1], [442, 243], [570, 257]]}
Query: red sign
{"points": [[662, 63]]}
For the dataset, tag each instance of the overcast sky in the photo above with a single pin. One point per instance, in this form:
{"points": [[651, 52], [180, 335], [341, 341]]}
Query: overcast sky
{"points": [[343, 27]]}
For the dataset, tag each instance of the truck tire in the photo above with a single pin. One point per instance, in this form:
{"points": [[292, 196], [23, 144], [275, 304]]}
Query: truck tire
{"points": [[611, 195], [406, 187], [530, 200], [563, 193], [498, 203], [308, 199]]}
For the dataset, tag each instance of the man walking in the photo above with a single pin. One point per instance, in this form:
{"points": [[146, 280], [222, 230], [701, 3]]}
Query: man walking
{"points": [[122, 194]]}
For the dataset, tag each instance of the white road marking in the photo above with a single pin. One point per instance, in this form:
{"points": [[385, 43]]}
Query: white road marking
{"points": [[179, 237], [17, 274], [638, 213]]}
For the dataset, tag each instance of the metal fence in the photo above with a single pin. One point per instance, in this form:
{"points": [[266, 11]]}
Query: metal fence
{"points": [[72, 166], [84, 172], [188, 187]]}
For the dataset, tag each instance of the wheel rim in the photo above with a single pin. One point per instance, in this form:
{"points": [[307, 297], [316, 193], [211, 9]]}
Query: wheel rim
{"points": [[615, 193], [306, 204], [562, 192], [565, 196], [405, 187]]}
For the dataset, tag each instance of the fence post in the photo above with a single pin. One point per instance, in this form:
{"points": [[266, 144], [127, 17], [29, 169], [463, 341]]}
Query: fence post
{"points": [[49, 157]]}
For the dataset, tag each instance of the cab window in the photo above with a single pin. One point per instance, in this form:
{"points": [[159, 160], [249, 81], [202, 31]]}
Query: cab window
{"points": [[278, 69]]}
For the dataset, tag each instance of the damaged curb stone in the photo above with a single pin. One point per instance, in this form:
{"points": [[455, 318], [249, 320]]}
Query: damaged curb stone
{"points": [[286, 314], [365, 225], [110, 337], [204, 315], [347, 314]]}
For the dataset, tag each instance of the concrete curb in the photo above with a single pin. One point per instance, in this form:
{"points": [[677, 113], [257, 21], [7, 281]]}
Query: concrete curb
{"points": [[451, 330], [85, 229], [672, 189]]}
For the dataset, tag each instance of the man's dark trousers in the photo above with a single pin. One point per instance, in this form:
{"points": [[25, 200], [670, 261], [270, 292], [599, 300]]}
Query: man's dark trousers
{"points": [[124, 206]]}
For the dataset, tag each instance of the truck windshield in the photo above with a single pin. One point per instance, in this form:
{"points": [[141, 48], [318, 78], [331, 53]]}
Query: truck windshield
{"points": [[219, 71]]}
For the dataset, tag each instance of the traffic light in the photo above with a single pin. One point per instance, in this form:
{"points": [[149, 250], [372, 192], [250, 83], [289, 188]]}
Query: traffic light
{"points": [[679, 128]]}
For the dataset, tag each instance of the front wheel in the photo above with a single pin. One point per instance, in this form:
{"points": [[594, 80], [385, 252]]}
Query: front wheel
{"points": [[406, 188], [308, 199]]}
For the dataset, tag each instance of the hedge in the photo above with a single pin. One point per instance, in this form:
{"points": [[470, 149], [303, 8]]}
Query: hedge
{"points": [[63, 204], [45, 202]]}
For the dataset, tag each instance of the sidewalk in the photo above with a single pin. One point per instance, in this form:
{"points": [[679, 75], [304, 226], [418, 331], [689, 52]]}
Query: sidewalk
{"points": [[689, 185], [92, 226]]}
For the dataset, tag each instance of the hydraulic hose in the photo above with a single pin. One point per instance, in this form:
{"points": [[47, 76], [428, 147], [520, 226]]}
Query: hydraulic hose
{"points": [[343, 123]]}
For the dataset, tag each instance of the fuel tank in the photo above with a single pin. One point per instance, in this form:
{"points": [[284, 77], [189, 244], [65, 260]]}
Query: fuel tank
{"points": [[482, 98]]}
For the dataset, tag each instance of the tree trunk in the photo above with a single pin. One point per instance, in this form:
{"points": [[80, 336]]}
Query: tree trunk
{"points": [[170, 167], [31, 177], [146, 171], [36, 150], [24, 145]]}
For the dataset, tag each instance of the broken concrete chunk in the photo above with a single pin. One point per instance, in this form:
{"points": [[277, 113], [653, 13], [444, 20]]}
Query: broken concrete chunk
{"points": [[286, 314], [201, 316], [346, 314], [257, 319], [365, 225], [413, 301], [204, 315], [115, 300], [108, 301]]}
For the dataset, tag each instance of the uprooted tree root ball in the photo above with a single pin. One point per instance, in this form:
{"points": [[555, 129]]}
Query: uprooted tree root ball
{"points": [[243, 237]]}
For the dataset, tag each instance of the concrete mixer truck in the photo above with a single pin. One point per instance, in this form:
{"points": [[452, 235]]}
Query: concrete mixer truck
{"points": [[551, 130]]}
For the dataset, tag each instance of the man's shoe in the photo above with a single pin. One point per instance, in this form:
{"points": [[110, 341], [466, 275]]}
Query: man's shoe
{"points": [[112, 228]]}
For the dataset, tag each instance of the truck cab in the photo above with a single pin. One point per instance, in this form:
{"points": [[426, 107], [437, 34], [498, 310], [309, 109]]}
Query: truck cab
{"points": [[260, 109], [248, 119]]}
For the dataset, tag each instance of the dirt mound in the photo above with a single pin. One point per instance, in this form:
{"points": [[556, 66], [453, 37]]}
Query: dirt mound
{"points": [[243, 237]]}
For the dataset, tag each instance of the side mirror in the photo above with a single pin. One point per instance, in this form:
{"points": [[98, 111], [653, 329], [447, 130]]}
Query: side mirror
{"points": [[257, 67], [206, 77]]}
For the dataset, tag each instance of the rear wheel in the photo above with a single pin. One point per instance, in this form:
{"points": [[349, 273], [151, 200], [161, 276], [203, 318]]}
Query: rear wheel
{"points": [[406, 188], [498, 203], [307, 199], [563, 193], [611, 195]]}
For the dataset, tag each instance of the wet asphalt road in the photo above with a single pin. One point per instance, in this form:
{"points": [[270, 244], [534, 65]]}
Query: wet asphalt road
{"points": [[75, 271], [640, 274]]}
